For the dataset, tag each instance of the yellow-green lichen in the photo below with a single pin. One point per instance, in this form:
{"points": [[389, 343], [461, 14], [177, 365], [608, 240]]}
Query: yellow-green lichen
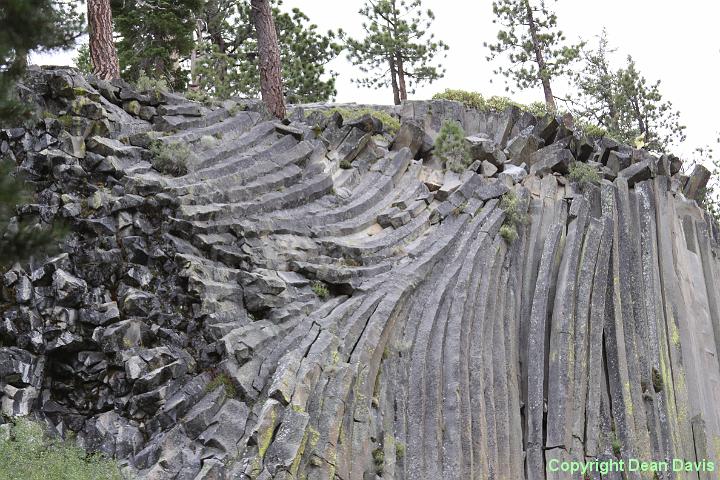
{"points": [[266, 435], [674, 334]]}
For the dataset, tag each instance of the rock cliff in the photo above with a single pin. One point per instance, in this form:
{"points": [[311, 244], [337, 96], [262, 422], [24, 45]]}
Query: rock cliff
{"points": [[319, 299]]}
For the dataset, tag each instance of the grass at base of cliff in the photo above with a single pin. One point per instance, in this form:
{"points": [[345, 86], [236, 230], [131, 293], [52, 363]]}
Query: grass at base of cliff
{"points": [[29, 454]]}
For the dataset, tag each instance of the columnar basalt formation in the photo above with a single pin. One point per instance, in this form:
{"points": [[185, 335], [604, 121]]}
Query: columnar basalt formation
{"points": [[318, 299]]}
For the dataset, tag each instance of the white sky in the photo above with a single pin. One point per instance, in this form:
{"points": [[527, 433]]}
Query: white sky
{"points": [[676, 42]]}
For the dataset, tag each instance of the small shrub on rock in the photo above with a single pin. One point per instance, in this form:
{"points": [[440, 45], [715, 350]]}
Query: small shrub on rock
{"points": [[208, 141], [148, 84], [171, 158], [508, 233], [514, 217], [493, 104], [320, 289], [31, 455], [452, 148], [583, 174], [469, 99]]}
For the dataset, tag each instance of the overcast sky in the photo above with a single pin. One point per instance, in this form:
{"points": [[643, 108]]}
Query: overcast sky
{"points": [[673, 41]]}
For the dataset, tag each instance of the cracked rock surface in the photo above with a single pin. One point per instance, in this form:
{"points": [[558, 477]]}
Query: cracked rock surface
{"points": [[322, 300]]}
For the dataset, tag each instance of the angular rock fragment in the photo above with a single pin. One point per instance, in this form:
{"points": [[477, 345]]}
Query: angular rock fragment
{"points": [[551, 159], [637, 172], [695, 186], [618, 161], [411, 136]]}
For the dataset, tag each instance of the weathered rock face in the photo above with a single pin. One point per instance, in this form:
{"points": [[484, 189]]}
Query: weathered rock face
{"points": [[273, 315]]}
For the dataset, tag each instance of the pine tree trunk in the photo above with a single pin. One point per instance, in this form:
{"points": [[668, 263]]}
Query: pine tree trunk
{"points": [[269, 58], [401, 78], [540, 60], [194, 54], [102, 49], [394, 81]]}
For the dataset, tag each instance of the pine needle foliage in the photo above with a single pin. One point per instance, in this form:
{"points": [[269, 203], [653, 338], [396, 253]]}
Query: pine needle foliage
{"points": [[451, 146]]}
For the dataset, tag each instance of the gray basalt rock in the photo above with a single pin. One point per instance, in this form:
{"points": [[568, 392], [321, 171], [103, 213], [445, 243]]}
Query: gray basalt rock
{"points": [[515, 173], [520, 148], [411, 136], [638, 172], [551, 159], [695, 186], [68, 289], [618, 161], [273, 316]]}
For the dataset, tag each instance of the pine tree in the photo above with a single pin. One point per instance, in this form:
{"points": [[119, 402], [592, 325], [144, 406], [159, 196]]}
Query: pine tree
{"points": [[397, 50], [30, 25], [157, 35], [533, 44], [268, 57], [623, 102], [227, 59], [102, 48]]}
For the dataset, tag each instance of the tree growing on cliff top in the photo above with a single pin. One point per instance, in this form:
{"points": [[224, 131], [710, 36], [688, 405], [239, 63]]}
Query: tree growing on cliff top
{"points": [[226, 63], [623, 102], [534, 45], [271, 86], [25, 26], [102, 48], [156, 36], [397, 50]]}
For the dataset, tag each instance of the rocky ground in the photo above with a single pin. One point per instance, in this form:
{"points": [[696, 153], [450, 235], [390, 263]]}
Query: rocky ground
{"points": [[319, 299]]}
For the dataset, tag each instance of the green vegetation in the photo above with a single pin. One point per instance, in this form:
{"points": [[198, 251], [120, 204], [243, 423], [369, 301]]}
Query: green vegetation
{"points": [[529, 38], [227, 60], [222, 379], [345, 164], [514, 217], [31, 455], [379, 459], [22, 238], [320, 289], [616, 447], [399, 450], [390, 123], [493, 104], [154, 38], [452, 148], [208, 141], [171, 158], [623, 102], [508, 233], [496, 104], [82, 60], [147, 84], [584, 174], [397, 50], [200, 97], [25, 26], [590, 130]]}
